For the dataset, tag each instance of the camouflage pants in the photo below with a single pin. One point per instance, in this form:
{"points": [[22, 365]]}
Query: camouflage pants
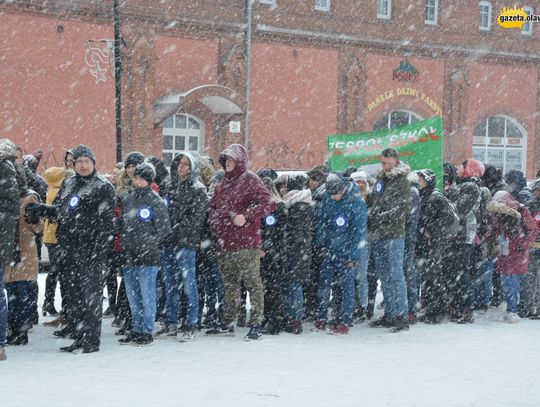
{"points": [[235, 267]]}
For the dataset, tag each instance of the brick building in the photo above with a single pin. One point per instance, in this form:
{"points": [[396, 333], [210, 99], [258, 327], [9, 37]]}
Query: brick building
{"points": [[318, 67]]}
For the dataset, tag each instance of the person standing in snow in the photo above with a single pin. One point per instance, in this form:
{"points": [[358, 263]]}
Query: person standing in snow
{"points": [[514, 230], [239, 203], [461, 188], [84, 214], [340, 231], [9, 210], [389, 206], [144, 224], [187, 204]]}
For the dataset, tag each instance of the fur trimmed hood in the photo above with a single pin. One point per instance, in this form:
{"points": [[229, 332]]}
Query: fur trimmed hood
{"points": [[502, 209], [295, 196], [8, 149], [397, 171]]}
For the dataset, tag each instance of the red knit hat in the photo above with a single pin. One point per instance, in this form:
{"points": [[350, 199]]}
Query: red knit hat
{"points": [[473, 168]]}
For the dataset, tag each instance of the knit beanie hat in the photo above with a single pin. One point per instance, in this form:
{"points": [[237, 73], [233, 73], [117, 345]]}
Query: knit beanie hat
{"points": [[318, 173], [134, 158], [473, 168], [335, 184], [146, 171], [84, 151]]}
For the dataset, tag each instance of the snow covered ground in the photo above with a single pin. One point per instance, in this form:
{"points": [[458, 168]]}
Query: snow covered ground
{"points": [[488, 363]]}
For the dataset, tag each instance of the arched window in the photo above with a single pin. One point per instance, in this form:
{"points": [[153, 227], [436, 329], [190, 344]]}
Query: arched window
{"points": [[500, 141], [181, 132], [396, 119]]}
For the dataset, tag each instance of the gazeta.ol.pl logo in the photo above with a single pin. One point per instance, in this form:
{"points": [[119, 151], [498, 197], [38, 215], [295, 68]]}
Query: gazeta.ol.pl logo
{"points": [[515, 17]]}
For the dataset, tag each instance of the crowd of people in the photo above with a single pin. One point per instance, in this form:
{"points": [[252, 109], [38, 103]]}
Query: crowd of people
{"points": [[190, 244]]}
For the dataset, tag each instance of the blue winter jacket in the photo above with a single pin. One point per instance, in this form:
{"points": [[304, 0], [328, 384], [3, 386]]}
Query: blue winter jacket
{"points": [[342, 225]]}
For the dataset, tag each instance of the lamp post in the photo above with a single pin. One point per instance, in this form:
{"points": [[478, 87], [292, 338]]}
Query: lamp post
{"points": [[117, 80], [248, 71]]}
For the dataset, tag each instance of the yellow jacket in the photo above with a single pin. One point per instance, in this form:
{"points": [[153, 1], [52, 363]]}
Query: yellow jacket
{"points": [[54, 177]]}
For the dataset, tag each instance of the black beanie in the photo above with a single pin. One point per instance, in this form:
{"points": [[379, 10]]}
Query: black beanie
{"points": [[267, 172], [134, 158], [516, 178], [84, 151], [146, 171], [335, 184]]}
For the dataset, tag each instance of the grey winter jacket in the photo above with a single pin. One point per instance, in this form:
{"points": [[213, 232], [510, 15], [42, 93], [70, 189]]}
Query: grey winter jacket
{"points": [[466, 197], [9, 200], [187, 203], [144, 225]]}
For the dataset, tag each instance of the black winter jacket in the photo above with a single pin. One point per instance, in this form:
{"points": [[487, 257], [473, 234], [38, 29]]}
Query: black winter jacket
{"points": [[144, 225]]}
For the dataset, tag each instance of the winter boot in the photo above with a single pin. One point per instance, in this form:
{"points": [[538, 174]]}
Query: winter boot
{"points": [[382, 322], [168, 331], [254, 334], [55, 323], [466, 318], [65, 333], [294, 327], [48, 308], [143, 340], [130, 337], [340, 329], [187, 333], [511, 318], [319, 326], [221, 330], [3, 355], [18, 338], [401, 324]]}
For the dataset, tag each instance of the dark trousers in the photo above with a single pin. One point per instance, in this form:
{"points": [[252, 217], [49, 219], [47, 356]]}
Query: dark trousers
{"points": [[311, 285], [114, 263], [20, 306], [372, 285], [54, 276], [434, 281], [84, 283], [458, 268]]}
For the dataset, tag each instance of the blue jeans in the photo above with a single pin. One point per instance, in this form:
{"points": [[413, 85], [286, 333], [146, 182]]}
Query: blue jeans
{"points": [[334, 265], [3, 310], [411, 277], [178, 265], [141, 292], [360, 272], [389, 265], [511, 285], [293, 300], [483, 290]]}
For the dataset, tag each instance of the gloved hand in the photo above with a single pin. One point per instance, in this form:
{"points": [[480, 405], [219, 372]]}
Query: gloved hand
{"points": [[31, 213]]}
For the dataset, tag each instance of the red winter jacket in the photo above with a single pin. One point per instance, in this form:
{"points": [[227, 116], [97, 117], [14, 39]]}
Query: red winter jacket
{"points": [[520, 237], [241, 192]]}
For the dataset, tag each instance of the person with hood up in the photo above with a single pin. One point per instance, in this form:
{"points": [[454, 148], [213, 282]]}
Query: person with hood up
{"points": [[22, 273], [84, 214], [9, 210], [513, 228], [340, 232], [297, 255], [432, 247], [144, 225], [389, 205], [462, 189], [239, 203], [530, 296], [187, 204], [516, 184]]}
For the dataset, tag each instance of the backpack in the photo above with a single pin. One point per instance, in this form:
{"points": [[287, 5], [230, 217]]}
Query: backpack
{"points": [[452, 222]]}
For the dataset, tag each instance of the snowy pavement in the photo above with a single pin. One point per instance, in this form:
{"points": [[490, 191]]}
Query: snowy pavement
{"points": [[488, 363]]}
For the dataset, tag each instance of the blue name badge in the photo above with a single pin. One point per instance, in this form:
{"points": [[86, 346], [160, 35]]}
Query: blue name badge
{"points": [[341, 221], [379, 186], [167, 201], [74, 202], [146, 214], [270, 220]]}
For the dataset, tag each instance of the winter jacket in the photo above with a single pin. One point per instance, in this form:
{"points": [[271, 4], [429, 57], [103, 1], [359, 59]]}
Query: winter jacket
{"points": [[411, 227], [390, 204], [25, 264], [54, 176], [432, 224], [144, 225], [298, 234], [187, 204], [36, 182], [84, 214], [524, 196], [342, 224], [534, 209], [9, 200], [513, 223], [466, 197], [240, 192], [273, 228]]}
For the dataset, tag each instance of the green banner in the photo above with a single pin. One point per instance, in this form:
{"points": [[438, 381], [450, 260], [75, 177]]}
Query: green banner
{"points": [[420, 145]]}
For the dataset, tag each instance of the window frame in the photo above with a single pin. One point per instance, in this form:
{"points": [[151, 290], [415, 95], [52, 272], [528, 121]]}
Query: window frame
{"points": [[186, 132], [268, 2], [323, 8], [436, 13], [530, 11], [389, 118], [387, 16], [488, 4]]}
